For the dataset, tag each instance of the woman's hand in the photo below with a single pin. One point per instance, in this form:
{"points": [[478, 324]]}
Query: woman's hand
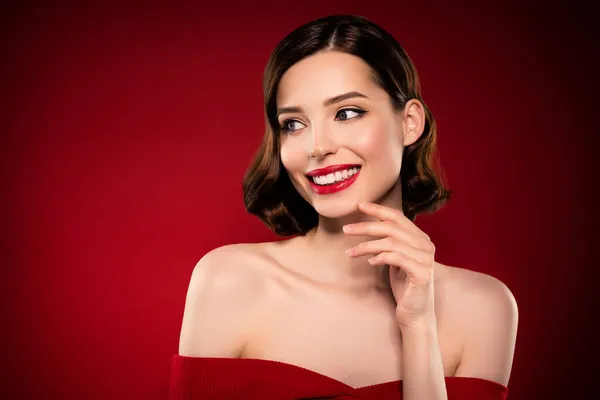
{"points": [[410, 254]]}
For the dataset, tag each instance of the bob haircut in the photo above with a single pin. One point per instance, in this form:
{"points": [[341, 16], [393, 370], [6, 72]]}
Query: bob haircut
{"points": [[268, 192]]}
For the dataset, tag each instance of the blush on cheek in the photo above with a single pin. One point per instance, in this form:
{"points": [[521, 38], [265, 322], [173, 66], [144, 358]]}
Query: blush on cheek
{"points": [[373, 144], [292, 159]]}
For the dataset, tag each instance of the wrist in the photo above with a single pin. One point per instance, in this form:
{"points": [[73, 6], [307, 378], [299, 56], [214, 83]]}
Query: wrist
{"points": [[419, 328]]}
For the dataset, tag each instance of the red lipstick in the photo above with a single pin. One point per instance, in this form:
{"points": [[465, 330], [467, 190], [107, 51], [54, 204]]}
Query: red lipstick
{"points": [[331, 169], [335, 187]]}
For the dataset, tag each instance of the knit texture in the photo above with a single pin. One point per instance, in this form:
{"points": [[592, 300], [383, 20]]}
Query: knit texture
{"points": [[209, 378]]}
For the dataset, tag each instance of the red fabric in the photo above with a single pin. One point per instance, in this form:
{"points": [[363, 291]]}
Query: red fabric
{"points": [[254, 379]]}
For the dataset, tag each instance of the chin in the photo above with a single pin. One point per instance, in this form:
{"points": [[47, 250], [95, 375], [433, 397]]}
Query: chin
{"points": [[336, 209]]}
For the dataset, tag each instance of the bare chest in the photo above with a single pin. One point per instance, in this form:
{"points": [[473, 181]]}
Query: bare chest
{"points": [[353, 341]]}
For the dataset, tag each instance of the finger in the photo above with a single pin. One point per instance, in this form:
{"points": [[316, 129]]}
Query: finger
{"points": [[391, 229], [418, 275], [389, 214], [391, 245]]}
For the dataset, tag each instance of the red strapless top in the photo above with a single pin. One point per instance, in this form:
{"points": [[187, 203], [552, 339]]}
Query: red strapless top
{"points": [[254, 379]]}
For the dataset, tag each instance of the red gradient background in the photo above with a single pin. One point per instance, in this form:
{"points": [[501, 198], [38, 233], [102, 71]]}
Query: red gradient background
{"points": [[127, 130]]}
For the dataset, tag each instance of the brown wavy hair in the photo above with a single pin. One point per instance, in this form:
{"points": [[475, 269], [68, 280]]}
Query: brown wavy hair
{"points": [[268, 192]]}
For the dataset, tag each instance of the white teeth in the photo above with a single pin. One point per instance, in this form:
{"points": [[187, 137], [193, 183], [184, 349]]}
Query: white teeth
{"points": [[335, 177]]}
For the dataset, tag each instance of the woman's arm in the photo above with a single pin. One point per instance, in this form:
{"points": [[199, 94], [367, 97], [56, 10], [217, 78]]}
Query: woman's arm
{"points": [[490, 332], [489, 316], [423, 370], [221, 301]]}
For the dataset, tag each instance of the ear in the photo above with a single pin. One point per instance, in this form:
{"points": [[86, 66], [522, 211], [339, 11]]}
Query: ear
{"points": [[413, 121]]}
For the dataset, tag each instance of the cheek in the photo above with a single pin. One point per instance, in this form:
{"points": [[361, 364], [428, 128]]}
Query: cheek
{"points": [[291, 156], [375, 142]]}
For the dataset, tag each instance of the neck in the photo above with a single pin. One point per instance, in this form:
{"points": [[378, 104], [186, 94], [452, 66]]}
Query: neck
{"points": [[328, 243]]}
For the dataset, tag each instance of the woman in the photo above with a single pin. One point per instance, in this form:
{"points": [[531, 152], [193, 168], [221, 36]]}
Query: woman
{"points": [[345, 163]]}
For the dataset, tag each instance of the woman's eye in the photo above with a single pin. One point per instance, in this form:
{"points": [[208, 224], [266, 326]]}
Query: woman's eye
{"points": [[285, 126], [346, 113], [289, 125]]}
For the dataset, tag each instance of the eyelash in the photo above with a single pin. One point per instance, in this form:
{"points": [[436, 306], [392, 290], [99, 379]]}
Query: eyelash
{"points": [[356, 110]]}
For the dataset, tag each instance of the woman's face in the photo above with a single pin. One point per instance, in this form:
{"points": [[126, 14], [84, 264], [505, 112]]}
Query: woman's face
{"points": [[362, 130]]}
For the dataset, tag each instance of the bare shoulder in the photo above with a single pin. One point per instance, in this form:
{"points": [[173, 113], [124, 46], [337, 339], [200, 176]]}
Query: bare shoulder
{"points": [[473, 289], [225, 289], [487, 311]]}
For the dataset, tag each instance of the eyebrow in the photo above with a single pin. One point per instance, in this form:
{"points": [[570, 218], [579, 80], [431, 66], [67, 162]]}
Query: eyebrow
{"points": [[326, 103]]}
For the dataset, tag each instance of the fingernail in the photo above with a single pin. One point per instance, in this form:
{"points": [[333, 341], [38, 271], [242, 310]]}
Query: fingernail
{"points": [[348, 228]]}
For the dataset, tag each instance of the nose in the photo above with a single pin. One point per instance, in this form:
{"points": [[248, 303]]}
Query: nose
{"points": [[321, 144]]}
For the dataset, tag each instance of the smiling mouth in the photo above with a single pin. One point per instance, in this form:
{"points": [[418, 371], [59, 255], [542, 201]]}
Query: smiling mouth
{"points": [[333, 178]]}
